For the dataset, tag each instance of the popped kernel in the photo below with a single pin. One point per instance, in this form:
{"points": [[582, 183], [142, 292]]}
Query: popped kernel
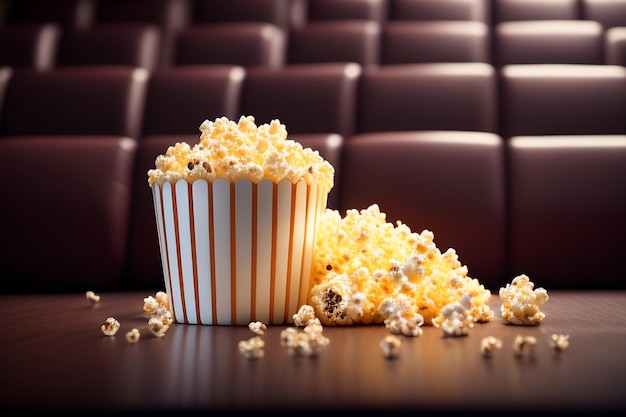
{"points": [[159, 325], [304, 314], [252, 348], [559, 342], [133, 335], [454, 319], [307, 342], [257, 327], [524, 344], [92, 297], [522, 302], [110, 326], [391, 346], [489, 344]]}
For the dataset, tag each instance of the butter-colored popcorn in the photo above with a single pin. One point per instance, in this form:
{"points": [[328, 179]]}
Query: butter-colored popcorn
{"points": [[257, 327], [361, 260], [159, 325], [454, 319], [522, 302], [524, 345], [92, 297], [110, 326], [133, 335], [159, 315], [304, 315], [489, 344], [235, 150], [252, 348], [559, 342], [393, 310], [391, 346], [307, 342]]}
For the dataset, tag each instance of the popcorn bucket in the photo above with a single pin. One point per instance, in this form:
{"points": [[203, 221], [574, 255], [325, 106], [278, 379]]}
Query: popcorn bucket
{"points": [[233, 253]]}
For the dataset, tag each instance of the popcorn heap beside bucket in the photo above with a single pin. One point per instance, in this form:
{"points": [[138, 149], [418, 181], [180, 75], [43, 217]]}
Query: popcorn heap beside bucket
{"points": [[237, 215]]}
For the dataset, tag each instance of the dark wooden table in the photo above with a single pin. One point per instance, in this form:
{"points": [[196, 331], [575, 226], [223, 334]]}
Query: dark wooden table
{"points": [[54, 357]]}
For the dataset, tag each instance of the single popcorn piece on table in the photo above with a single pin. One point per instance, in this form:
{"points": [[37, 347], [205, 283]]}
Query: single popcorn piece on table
{"points": [[361, 261], [559, 342], [489, 344], [252, 348], [110, 326], [524, 345], [133, 335], [257, 327], [305, 314], [454, 318], [522, 302], [92, 297], [391, 346], [307, 342]]}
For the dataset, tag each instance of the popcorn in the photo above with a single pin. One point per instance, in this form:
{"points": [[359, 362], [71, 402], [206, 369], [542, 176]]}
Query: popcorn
{"points": [[305, 314], [235, 150], [361, 260], [521, 304], [252, 348], [92, 297], [307, 342], [454, 318], [257, 327], [394, 312], [159, 316], [559, 342], [133, 336], [523, 345], [110, 326], [391, 346], [489, 344]]}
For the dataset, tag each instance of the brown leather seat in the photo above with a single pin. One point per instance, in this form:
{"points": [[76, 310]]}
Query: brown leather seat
{"points": [[66, 215], [90, 100], [234, 43], [278, 12], [307, 98], [479, 10], [567, 205], [451, 183], [373, 10], [132, 44], [170, 16], [548, 42], [507, 10], [610, 13], [66, 13], [416, 41], [335, 41], [562, 99], [428, 96], [5, 77], [29, 45], [615, 46]]}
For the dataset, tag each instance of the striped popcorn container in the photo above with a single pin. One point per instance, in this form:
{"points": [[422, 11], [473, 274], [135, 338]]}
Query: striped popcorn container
{"points": [[233, 253]]}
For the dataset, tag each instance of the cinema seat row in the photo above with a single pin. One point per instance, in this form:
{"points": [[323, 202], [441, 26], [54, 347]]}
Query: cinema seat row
{"points": [[521, 169], [166, 33]]}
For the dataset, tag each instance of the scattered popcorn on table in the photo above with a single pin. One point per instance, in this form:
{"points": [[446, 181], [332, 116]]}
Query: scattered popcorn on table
{"points": [[559, 342], [305, 314], [133, 335], [361, 260], [159, 316], [391, 346], [394, 312], [159, 325], [521, 304], [523, 345], [306, 342], [454, 319], [257, 327], [110, 326], [489, 344], [92, 297], [252, 348]]}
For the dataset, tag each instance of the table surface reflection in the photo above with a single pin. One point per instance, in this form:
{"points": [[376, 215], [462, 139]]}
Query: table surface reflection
{"points": [[53, 356]]}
